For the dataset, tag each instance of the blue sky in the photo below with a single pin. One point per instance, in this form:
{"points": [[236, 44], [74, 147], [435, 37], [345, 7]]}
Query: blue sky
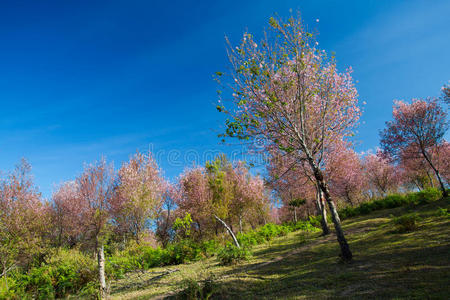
{"points": [[81, 79]]}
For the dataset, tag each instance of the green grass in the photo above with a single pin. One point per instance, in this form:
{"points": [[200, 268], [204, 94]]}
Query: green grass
{"points": [[300, 265]]}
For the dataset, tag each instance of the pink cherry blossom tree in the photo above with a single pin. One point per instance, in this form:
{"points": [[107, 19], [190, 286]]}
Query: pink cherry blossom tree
{"points": [[382, 176], [69, 214], [344, 172], [138, 195], [290, 92], [95, 192], [292, 182], [24, 220], [419, 127]]}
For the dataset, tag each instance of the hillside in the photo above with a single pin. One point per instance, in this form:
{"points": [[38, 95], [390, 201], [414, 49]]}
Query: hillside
{"points": [[301, 265]]}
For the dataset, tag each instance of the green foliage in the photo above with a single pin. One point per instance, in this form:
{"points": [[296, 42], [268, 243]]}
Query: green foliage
{"points": [[297, 202], [66, 272], [443, 212], [406, 223], [392, 201], [426, 196], [183, 226], [144, 257], [193, 289], [270, 231], [230, 254]]}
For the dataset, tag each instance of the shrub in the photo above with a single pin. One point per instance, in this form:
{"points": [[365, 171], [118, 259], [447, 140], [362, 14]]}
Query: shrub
{"points": [[406, 223], [231, 254], [67, 271], [210, 248], [443, 212], [192, 289], [425, 196]]}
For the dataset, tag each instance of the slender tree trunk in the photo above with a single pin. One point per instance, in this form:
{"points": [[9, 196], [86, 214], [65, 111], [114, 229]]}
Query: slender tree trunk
{"points": [[101, 272], [236, 243], [322, 211], [5, 271], [431, 179], [436, 171], [295, 214], [240, 223], [345, 248]]}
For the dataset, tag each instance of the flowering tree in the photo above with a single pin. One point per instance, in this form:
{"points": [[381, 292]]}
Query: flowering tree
{"points": [[165, 215], [95, 191], [292, 182], [69, 214], [418, 127], [344, 172], [193, 197], [288, 91], [138, 195], [23, 220], [382, 176], [249, 198], [221, 194]]}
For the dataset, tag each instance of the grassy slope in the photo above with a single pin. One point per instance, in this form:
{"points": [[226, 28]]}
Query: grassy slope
{"points": [[306, 266]]}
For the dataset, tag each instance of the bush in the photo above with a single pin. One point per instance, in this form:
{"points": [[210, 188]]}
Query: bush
{"points": [[210, 248], [67, 271], [231, 254], [424, 197], [443, 212], [392, 201], [406, 223], [11, 288], [192, 289]]}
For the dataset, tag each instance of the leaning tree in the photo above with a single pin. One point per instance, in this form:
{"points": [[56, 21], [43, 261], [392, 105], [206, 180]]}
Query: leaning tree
{"points": [[290, 92]]}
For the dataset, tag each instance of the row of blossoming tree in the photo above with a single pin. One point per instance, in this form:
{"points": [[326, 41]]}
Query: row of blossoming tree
{"points": [[133, 204]]}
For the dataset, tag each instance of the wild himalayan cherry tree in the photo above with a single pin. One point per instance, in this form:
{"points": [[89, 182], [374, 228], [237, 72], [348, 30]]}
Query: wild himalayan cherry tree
{"points": [[138, 196], [95, 192], [249, 199], [382, 176], [222, 194], [345, 174], [420, 127], [193, 197], [294, 183], [288, 91], [69, 214], [23, 220]]}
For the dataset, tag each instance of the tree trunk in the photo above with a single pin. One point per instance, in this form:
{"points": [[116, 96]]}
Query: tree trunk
{"points": [[345, 248], [240, 223], [101, 272], [322, 211], [436, 171], [295, 214], [236, 243]]}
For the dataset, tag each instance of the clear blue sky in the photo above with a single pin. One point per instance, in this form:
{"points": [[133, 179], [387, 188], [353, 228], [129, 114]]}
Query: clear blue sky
{"points": [[81, 79]]}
